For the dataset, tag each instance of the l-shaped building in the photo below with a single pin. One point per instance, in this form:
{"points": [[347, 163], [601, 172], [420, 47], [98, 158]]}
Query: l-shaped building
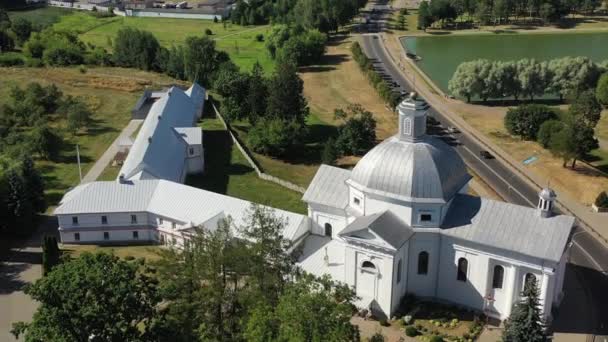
{"points": [[399, 222]]}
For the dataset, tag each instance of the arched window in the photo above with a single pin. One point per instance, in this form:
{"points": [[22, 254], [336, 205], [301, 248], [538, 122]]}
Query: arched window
{"points": [[328, 230], [407, 126], [423, 263], [463, 264], [368, 266], [499, 274], [529, 278], [398, 271]]}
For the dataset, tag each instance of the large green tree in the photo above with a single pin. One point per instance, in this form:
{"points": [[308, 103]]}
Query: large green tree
{"points": [[95, 297], [526, 120], [201, 59], [525, 323]]}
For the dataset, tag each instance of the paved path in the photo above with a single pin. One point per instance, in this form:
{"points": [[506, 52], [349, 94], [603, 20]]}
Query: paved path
{"points": [[109, 154]]}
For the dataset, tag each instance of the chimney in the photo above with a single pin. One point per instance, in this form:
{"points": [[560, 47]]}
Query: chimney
{"points": [[546, 201], [121, 178]]}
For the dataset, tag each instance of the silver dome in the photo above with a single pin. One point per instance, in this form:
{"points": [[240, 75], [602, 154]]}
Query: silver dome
{"points": [[425, 169]]}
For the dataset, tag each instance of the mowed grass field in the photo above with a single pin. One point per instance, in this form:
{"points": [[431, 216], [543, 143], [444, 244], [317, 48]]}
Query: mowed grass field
{"points": [[238, 41], [110, 93]]}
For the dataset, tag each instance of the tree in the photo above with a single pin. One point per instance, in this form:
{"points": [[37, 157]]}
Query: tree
{"points": [[201, 59], [286, 100], [34, 184], [526, 120], [136, 48], [95, 297], [546, 131], [22, 29], [466, 81], [533, 76], [601, 92], [258, 93], [601, 201], [20, 212], [50, 254], [525, 322], [45, 142], [6, 41], [358, 134], [573, 142], [586, 108], [77, 112], [330, 152], [5, 20], [425, 19]]}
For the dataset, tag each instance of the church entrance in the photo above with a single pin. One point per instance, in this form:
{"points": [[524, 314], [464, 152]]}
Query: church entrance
{"points": [[367, 276]]}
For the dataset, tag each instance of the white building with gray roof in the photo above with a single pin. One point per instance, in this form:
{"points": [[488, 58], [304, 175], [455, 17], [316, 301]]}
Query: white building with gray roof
{"points": [[401, 222]]}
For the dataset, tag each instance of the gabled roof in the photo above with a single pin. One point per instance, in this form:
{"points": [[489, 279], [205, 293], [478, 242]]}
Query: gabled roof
{"points": [[172, 200], [158, 149], [385, 225], [197, 94], [328, 187], [190, 135], [508, 227]]}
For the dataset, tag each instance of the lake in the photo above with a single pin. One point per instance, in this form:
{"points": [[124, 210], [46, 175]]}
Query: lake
{"points": [[441, 55]]}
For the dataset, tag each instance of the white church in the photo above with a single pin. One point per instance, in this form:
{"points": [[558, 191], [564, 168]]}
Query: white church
{"points": [[399, 222]]}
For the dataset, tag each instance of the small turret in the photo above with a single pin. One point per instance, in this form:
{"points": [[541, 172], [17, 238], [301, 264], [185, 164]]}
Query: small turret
{"points": [[412, 118], [546, 200]]}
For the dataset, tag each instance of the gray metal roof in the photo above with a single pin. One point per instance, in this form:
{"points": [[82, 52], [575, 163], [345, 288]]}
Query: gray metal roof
{"points": [[508, 226], [328, 187], [108, 197], [172, 200], [159, 150], [424, 169], [191, 135], [385, 225]]}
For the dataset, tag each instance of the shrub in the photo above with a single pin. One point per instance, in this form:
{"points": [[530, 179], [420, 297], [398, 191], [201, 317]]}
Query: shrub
{"points": [[436, 338], [377, 337], [82, 69], [34, 62], [547, 130], [330, 152], [273, 136], [411, 331], [525, 120], [259, 37], [602, 200], [10, 60], [384, 322], [601, 92], [208, 32]]}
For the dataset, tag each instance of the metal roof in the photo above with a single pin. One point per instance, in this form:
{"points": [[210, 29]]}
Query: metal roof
{"points": [[158, 149], [172, 200], [508, 226], [108, 197], [191, 135], [328, 187], [386, 225], [424, 169]]}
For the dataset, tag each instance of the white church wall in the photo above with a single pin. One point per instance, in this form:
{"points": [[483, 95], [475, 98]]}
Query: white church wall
{"points": [[98, 236], [369, 287], [320, 218], [419, 209], [357, 200], [423, 285], [95, 220], [373, 205], [399, 285]]}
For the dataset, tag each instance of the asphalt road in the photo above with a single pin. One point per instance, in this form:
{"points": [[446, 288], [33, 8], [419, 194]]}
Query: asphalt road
{"points": [[585, 307]]}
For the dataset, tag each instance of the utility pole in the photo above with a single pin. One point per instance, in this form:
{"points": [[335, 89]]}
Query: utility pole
{"points": [[78, 159]]}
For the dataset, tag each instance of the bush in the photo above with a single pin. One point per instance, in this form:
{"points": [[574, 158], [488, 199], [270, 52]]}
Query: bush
{"points": [[525, 120], [601, 92], [546, 131], [10, 60], [208, 32], [377, 337], [34, 62], [602, 200], [411, 331], [330, 152], [259, 37], [384, 322], [436, 338], [273, 136]]}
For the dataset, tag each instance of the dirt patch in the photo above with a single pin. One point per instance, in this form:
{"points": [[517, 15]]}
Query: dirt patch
{"points": [[337, 82]]}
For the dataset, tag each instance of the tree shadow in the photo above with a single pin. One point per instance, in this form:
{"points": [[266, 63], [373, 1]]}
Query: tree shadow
{"points": [[9, 277]]}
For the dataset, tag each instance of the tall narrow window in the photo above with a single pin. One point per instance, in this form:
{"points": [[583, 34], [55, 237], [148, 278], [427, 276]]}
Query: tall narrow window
{"points": [[104, 219], [399, 272], [106, 235], [74, 220], [76, 236], [529, 278], [328, 230], [160, 220], [191, 151], [133, 219], [423, 263], [407, 126], [173, 225], [463, 264], [497, 278], [135, 235]]}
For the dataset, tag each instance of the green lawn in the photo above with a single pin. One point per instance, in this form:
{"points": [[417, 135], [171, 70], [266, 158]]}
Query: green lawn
{"points": [[238, 41], [110, 93], [43, 16], [148, 252], [227, 172]]}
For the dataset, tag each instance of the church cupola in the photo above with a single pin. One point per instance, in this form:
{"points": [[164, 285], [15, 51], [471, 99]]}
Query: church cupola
{"points": [[412, 118], [546, 201]]}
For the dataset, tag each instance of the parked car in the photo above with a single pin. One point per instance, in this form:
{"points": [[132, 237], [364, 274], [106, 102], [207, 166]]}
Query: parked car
{"points": [[485, 154]]}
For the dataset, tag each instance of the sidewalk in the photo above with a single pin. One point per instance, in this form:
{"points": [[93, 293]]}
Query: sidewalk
{"points": [[594, 222], [108, 155]]}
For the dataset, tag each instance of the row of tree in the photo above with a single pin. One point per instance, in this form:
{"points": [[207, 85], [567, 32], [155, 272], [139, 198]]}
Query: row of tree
{"points": [[486, 79], [325, 15], [390, 96], [495, 12], [218, 288]]}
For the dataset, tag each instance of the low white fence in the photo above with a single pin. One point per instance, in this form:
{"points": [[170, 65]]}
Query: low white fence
{"points": [[252, 161]]}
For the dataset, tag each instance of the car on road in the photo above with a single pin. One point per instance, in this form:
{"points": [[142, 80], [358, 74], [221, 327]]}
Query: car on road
{"points": [[485, 154]]}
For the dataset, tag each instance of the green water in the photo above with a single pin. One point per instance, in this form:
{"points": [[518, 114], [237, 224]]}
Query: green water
{"points": [[441, 55]]}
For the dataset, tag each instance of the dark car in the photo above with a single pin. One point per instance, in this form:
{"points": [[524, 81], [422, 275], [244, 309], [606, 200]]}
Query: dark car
{"points": [[485, 154]]}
